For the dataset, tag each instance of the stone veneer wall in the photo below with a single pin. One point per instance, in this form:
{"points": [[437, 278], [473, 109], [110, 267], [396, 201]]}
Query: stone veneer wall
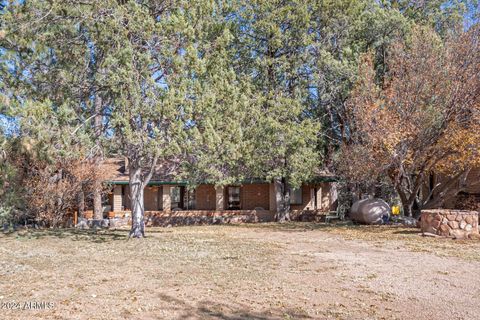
{"points": [[449, 223], [196, 217], [193, 217]]}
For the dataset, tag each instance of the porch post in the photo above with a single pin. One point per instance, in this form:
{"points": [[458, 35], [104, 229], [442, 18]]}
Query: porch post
{"points": [[272, 197], [325, 196], [333, 199], [219, 199], [318, 203], [166, 198], [117, 198], [311, 203]]}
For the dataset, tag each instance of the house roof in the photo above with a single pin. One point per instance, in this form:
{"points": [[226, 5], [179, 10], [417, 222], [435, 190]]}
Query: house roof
{"points": [[115, 171]]}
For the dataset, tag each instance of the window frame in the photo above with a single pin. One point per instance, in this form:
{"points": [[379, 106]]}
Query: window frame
{"points": [[231, 205], [173, 195], [299, 196]]}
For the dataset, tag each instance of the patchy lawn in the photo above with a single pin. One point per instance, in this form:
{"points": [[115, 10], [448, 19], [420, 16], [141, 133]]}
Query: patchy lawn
{"points": [[261, 271]]}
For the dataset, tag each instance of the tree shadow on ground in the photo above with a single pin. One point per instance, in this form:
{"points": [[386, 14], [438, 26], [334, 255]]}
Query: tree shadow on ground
{"points": [[336, 226], [266, 226], [413, 231], [96, 236], [297, 226], [207, 309]]}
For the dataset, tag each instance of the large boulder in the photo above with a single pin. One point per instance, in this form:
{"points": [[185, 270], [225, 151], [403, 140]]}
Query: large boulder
{"points": [[370, 211]]}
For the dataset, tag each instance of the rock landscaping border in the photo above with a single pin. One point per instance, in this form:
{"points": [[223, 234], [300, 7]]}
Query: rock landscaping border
{"points": [[459, 224]]}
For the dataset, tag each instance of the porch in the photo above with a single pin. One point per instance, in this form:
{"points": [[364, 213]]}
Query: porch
{"points": [[176, 204], [173, 198]]}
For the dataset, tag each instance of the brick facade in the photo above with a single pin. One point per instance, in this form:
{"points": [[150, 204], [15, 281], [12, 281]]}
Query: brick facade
{"points": [[260, 196], [205, 197], [308, 199], [255, 196], [151, 199]]}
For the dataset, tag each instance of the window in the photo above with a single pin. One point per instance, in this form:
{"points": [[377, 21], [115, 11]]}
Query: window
{"points": [[296, 196], [233, 198], [175, 194], [189, 199]]}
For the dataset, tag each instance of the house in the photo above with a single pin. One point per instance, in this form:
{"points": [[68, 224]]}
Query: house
{"points": [[469, 195], [168, 201], [444, 192]]}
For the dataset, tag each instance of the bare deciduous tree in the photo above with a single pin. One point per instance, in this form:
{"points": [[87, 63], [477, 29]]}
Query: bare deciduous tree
{"points": [[423, 119]]}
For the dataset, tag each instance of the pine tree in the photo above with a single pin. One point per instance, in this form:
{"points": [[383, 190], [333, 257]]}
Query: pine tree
{"points": [[273, 43], [154, 80]]}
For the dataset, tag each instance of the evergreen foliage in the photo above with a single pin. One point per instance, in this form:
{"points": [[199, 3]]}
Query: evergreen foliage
{"points": [[221, 90]]}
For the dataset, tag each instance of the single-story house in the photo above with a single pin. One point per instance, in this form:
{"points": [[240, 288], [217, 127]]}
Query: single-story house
{"points": [[252, 200], [469, 195], [461, 193]]}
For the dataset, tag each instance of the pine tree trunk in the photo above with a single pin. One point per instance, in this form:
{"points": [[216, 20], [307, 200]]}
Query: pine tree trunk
{"points": [[97, 192], [97, 201], [282, 194], [136, 195], [81, 204]]}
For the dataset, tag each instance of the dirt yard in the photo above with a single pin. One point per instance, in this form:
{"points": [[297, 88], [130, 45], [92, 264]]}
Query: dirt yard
{"points": [[262, 271]]}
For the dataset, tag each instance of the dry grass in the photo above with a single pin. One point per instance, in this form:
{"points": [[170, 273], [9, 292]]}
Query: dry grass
{"points": [[387, 236], [262, 271], [394, 237]]}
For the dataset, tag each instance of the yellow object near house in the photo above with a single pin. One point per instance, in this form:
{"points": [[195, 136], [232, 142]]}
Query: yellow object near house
{"points": [[395, 210]]}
